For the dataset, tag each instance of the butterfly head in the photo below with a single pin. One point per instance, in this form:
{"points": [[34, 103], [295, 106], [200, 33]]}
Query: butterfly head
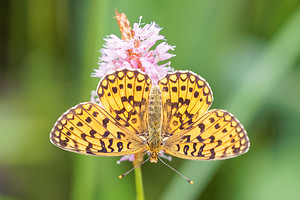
{"points": [[154, 156], [153, 153]]}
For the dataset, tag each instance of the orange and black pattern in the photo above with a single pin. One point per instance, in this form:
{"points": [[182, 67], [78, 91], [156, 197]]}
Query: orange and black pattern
{"points": [[120, 125], [125, 95], [89, 129], [185, 98], [216, 135]]}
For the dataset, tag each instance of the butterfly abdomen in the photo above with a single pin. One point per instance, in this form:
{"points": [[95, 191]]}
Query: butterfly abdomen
{"points": [[154, 138]]}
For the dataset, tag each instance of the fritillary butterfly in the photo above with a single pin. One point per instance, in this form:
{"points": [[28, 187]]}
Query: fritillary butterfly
{"points": [[136, 116]]}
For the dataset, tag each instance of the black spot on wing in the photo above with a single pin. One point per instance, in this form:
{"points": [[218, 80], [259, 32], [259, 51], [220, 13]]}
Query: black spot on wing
{"points": [[109, 146], [120, 111], [105, 122], [120, 146], [202, 127], [187, 137], [123, 99], [165, 89], [200, 151], [185, 149], [138, 88], [212, 139], [128, 145], [95, 114], [92, 133], [194, 147], [178, 147], [199, 138], [105, 134], [64, 143], [219, 143], [115, 90], [103, 148], [83, 136], [235, 150], [88, 120], [88, 149], [213, 154], [120, 134]]}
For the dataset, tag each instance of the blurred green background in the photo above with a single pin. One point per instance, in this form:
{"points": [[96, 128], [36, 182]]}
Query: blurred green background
{"points": [[248, 51]]}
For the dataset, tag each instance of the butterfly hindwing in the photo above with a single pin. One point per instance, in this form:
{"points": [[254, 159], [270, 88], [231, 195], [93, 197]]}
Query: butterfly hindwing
{"points": [[88, 129], [216, 135], [125, 95], [185, 98]]}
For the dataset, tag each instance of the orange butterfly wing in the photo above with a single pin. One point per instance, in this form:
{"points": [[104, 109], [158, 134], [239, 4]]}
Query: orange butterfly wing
{"points": [[125, 95], [88, 129], [216, 135], [185, 98]]}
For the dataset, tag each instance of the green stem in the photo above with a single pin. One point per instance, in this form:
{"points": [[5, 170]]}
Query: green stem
{"points": [[138, 177]]}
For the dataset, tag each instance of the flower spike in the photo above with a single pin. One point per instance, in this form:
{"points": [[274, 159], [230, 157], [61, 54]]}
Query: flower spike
{"points": [[124, 24], [136, 50]]}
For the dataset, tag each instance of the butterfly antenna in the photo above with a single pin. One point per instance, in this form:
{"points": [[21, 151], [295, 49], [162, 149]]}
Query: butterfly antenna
{"points": [[121, 176], [188, 180]]}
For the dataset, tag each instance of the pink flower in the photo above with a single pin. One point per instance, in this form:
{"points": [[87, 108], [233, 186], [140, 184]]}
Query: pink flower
{"points": [[95, 98], [136, 52], [130, 158]]}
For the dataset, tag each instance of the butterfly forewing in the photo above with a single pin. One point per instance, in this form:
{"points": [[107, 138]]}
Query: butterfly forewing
{"points": [[216, 135], [88, 129], [125, 95], [185, 98]]}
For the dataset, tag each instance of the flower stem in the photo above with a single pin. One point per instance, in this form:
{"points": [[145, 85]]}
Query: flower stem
{"points": [[138, 176]]}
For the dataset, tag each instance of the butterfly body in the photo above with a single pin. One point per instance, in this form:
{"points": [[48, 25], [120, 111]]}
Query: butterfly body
{"points": [[136, 116], [154, 137]]}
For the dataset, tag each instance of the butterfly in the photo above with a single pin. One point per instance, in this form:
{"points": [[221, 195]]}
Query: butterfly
{"points": [[135, 115]]}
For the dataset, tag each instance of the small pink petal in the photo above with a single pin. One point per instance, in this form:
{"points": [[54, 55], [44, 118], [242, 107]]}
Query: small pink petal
{"points": [[131, 157]]}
